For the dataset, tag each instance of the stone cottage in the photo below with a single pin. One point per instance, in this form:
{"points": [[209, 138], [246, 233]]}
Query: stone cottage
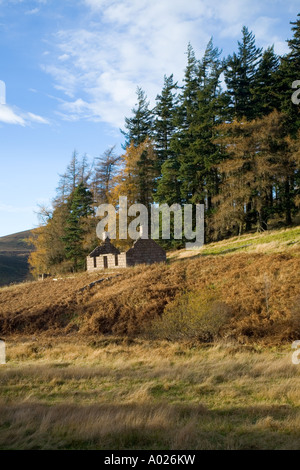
{"points": [[143, 251]]}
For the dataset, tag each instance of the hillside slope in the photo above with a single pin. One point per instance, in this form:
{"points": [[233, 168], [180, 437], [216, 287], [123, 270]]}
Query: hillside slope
{"points": [[261, 291], [14, 252]]}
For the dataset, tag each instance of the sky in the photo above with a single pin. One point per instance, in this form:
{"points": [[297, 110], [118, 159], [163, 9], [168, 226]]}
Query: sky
{"points": [[71, 69]]}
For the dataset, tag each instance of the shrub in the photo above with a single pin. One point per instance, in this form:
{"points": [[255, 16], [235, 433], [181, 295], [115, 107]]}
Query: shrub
{"points": [[192, 316]]}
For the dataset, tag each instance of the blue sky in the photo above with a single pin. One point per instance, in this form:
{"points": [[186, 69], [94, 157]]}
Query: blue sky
{"points": [[71, 69]]}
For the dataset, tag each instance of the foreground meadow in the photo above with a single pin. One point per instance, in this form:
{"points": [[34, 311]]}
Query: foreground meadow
{"points": [[112, 393]]}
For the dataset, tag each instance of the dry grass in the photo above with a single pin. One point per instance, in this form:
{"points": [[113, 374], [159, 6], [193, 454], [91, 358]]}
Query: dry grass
{"points": [[80, 375], [261, 292], [108, 393]]}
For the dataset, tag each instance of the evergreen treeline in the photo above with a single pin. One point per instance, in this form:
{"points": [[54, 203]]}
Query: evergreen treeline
{"points": [[228, 138]]}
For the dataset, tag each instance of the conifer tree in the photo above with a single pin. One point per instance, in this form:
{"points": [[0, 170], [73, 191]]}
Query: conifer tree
{"points": [[183, 137], [164, 123], [290, 72], [168, 187], [205, 154], [140, 125], [199, 111], [80, 206], [187, 99], [240, 76], [265, 89], [139, 131], [262, 162]]}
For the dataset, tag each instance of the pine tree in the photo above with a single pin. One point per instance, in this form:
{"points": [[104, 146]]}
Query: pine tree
{"points": [[187, 98], [266, 96], [80, 207], [240, 76], [290, 72], [140, 125], [168, 187], [148, 172], [183, 137], [204, 152], [139, 132], [164, 123], [294, 43], [199, 111]]}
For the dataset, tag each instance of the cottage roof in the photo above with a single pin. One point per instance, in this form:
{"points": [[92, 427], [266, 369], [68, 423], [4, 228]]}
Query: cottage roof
{"points": [[142, 244], [106, 248]]}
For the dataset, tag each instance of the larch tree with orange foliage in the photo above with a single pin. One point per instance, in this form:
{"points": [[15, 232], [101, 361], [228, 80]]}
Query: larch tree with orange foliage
{"points": [[258, 175]]}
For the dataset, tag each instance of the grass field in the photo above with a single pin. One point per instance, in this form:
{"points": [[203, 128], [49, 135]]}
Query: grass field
{"points": [[86, 371], [109, 393]]}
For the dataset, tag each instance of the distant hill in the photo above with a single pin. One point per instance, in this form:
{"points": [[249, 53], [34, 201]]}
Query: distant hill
{"points": [[14, 252]]}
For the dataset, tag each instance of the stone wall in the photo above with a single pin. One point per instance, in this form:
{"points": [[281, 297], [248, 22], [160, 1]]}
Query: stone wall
{"points": [[90, 264], [111, 262], [144, 251], [122, 260]]}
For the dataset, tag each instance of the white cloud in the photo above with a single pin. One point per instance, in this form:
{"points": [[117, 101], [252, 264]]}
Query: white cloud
{"points": [[35, 118], [103, 65], [63, 57], [34, 11], [96, 4], [136, 42], [10, 115]]}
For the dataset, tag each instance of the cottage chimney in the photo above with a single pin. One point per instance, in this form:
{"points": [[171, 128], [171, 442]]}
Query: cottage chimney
{"points": [[105, 235]]}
